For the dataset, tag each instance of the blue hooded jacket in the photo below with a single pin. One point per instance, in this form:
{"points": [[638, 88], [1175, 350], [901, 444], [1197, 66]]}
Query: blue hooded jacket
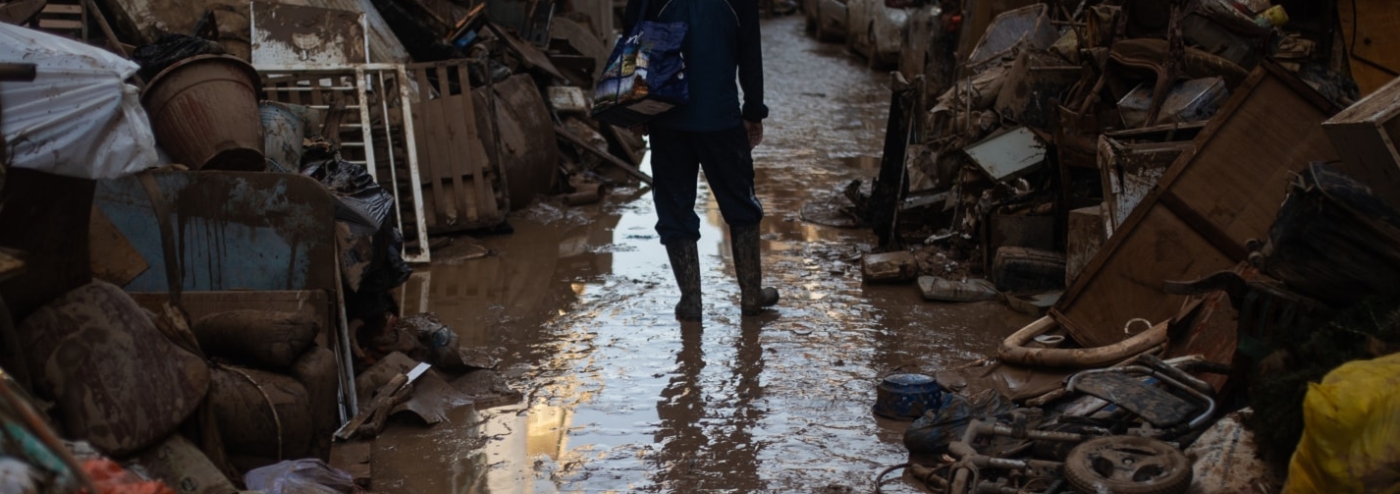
{"points": [[722, 37]]}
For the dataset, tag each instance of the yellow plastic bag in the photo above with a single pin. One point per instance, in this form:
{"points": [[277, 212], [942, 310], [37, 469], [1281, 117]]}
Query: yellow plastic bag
{"points": [[1351, 434]]}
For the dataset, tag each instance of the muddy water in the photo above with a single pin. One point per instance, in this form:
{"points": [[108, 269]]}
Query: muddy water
{"points": [[621, 398]]}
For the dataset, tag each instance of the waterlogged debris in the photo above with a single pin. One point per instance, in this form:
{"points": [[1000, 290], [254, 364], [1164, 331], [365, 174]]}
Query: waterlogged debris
{"points": [[946, 290], [889, 266]]}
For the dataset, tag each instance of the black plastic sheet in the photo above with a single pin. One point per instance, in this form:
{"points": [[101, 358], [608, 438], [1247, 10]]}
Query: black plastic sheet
{"points": [[169, 49]]}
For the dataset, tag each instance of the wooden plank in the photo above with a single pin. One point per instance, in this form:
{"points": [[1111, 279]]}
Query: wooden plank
{"points": [[1204, 226], [114, 259], [1229, 185], [615, 161], [466, 135], [465, 209], [61, 9], [60, 24], [427, 149]]}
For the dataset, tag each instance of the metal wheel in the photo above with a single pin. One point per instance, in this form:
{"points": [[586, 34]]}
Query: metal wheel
{"points": [[1127, 465]]}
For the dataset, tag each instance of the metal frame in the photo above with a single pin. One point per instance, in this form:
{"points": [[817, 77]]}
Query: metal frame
{"points": [[365, 77]]}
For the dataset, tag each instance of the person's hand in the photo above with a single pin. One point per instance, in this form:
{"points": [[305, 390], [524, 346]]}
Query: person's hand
{"points": [[755, 130], [640, 130]]}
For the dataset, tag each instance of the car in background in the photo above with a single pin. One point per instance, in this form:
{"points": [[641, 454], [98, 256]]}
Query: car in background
{"points": [[875, 29], [826, 19], [930, 44]]}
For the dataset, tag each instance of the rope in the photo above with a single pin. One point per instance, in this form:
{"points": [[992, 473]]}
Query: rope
{"points": [[276, 419], [879, 478]]}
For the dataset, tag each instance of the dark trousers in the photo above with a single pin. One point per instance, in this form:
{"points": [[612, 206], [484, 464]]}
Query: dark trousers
{"points": [[676, 159]]}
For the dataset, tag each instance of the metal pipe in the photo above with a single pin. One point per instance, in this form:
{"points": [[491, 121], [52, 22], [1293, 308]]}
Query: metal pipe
{"points": [[1155, 363], [18, 72]]}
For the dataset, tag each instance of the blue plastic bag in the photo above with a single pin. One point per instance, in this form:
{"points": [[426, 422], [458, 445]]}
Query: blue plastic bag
{"points": [[645, 75]]}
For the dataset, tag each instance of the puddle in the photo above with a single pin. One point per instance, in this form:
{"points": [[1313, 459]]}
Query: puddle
{"points": [[621, 398], [863, 163]]}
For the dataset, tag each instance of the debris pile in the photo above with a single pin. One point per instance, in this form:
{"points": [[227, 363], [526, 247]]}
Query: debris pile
{"points": [[209, 205], [1176, 190]]}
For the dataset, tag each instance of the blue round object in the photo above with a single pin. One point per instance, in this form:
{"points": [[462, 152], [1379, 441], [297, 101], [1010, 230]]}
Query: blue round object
{"points": [[906, 396]]}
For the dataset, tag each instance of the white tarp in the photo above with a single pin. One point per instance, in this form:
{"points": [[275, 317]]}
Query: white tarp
{"points": [[78, 118]]}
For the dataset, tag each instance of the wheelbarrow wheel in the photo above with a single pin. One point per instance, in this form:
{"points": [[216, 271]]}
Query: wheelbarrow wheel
{"points": [[1127, 465]]}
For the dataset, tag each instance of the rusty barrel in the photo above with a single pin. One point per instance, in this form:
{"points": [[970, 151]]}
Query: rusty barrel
{"points": [[204, 111]]}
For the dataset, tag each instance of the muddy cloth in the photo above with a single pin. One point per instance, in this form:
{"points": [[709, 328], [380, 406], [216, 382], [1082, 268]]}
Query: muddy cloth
{"points": [[365, 207], [169, 49], [722, 37], [676, 160]]}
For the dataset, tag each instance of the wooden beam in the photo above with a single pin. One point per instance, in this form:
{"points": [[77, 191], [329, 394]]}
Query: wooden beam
{"points": [[615, 161]]}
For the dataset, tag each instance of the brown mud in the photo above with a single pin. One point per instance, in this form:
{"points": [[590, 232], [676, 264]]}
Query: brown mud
{"points": [[618, 397]]}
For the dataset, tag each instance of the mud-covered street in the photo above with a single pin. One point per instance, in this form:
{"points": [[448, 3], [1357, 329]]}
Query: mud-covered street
{"points": [[619, 397]]}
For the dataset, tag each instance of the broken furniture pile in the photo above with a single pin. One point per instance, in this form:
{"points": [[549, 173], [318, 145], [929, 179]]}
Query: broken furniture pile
{"points": [[198, 252], [1227, 237]]}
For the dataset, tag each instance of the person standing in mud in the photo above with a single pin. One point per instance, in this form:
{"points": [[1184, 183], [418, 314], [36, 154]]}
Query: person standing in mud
{"points": [[713, 131]]}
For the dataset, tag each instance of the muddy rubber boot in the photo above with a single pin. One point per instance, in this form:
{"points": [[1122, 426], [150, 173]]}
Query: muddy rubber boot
{"points": [[685, 264], [754, 297]]}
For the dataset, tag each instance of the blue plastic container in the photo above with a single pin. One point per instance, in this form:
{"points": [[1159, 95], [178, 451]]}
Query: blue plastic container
{"points": [[906, 396]]}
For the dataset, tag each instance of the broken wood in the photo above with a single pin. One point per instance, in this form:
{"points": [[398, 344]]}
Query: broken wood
{"points": [[615, 161], [383, 399], [1221, 192]]}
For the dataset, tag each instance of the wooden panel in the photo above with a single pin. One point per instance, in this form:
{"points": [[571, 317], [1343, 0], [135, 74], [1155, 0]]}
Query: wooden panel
{"points": [[1371, 32], [1365, 136], [459, 181], [114, 259], [388, 135], [233, 230], [1239, 179], [1224, 191]]}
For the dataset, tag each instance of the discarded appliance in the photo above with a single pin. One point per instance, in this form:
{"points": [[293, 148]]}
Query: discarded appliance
{"points": [[1130, 171], [381, 96], [1188, 101], [1007, 155]]}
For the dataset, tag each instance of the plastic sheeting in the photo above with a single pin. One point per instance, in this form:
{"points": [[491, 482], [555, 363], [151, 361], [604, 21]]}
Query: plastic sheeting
{"points": [[78, 118], [306, 476], [1351, 421]]}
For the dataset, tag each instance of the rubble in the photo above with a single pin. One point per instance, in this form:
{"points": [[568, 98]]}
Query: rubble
{"points": [[1160, 142], [304, 161], [209, 241]]}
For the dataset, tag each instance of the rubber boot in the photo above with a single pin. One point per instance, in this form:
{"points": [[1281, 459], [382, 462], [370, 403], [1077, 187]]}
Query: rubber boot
{"points": [[753, 296], [685, 264]]}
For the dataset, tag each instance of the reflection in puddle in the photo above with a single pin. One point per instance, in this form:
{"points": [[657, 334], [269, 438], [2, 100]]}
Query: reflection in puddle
{"points": [[864, 163]]}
